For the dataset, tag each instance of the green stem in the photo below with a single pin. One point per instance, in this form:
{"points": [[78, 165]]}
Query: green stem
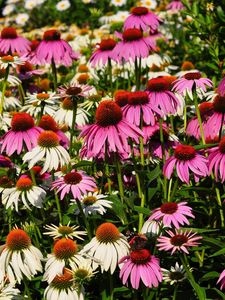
{"points": [[54, 73], [119, 179], [175, 292], [84, 219], [142, 143], [218, 198], [26, 289], [110, 76], [10, 218], [163, 157], [221, 127], [107, 173], [72, 133], [137, 75], [199, 118], [171, 123], [174, 190], [3, 90], [22, 94], [57, 201], [142, 197]]}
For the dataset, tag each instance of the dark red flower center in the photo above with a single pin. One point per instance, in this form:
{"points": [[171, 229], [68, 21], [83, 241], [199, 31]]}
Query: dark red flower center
{"points": [[34, 45], [178, 240], [139, 11], [22, 121], [192, 75], [121, 97], [108, 113], [169, 208], [132, 34], [185, 152], [187, 66], [27, 67], [140, 257], [205, 108], [5, 182], [137, 98], [52, 35], [67, 104], [222, 145], [73, 178], [8, 33], [48, 123], [107, 44], [158, 85], [219, 104], [156, 136], [73, 91]]}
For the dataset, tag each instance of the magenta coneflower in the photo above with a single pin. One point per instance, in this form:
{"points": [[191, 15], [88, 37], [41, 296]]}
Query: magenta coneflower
{"points": [[141, 265], [74, 90], [217, 161], [11, 43], [178, 241], [133, 45], [161, 96], [23, 133], [186, 159], [221, 87], [175, 5], [75, 182], [172, 213], [53, 49], [103, 52], [110, 131], [185, 84], [139, 105], [142, 18], [222, 280]]}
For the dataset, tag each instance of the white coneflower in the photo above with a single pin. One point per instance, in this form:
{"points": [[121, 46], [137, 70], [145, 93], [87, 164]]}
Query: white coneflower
{"points": [[21, 19], [63, 5], [19, 258], [10, 102], [66, 231], [175, 275], [109, 246], [8, 291], [12, 80], [83, 272], [9, 60], [94, 203], [118, 2], [8, 9], [91, 102], [24, 192], [49, 151], [65, 254], [151, 227]]}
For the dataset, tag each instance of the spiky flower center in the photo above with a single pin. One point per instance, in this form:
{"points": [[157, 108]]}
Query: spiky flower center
{"points": [[89, 200], [5, 182], [81, 274], [107, 233], [176, 275], [42, 96], [192, 75], [8, 93], [121, 97], [7, 58], [64, 281], [34, 44], [52, 35], [48, 139], [107, 44], [83, 69], [17, 240], [222, 145], [187, 66], [140, 257], [27, 67], [65, 248], [24, 184], [205, 108], [73, 91], [156, 136], [72, 178], [185, 152], [48, 123], [67, 104], [8, 33], [108, 113], [65, 230], [132, 34], [169, 208], [219, 104], [22, 121], [137, 98], [158, 85], [139, 11], [83, 78], [178, 240]]}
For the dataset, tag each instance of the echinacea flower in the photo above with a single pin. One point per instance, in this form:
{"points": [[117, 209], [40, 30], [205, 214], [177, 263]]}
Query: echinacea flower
{"points": [[27, 71], [10, 101], [49, 151], [133, 45], [160, 96], [24, 192], [221, 280], [84, 272], [151, 227], [8, 290], [186, 159], [103, 53], [65, 254], [75, 183], [178, 241], [108, 246], [53, 49], [142, 18], [74, 90], [175, 5], [217, 161], [11, 43], [175, 275], [66, 231], [11, 80], [23, 133], [140, 265], [110, 131], [11, 61], [93, 203], [172, 213], [139, 106], [19, 258]]}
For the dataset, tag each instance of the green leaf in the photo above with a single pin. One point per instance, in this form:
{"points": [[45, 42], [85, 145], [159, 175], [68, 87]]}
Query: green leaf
{"points": [[118, 208], [219, 293], [209, 275], [142, 210], [217, 253]]}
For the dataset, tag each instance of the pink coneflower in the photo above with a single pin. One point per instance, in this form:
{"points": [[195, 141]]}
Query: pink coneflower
{"points": [[141, 265], [217, 161], [110, 131], [11, 43], [121, 97], [75, 182], [175, 5], [133, 45], [172, 214], [222, 280], [103, 52], [186, 159], [74, 90], [190, 81], [23, 133], [178, 241], [193, 128], [27, 71], [142, 18], [139, 105], [53, 49], [221, 87], [161, 96]]}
